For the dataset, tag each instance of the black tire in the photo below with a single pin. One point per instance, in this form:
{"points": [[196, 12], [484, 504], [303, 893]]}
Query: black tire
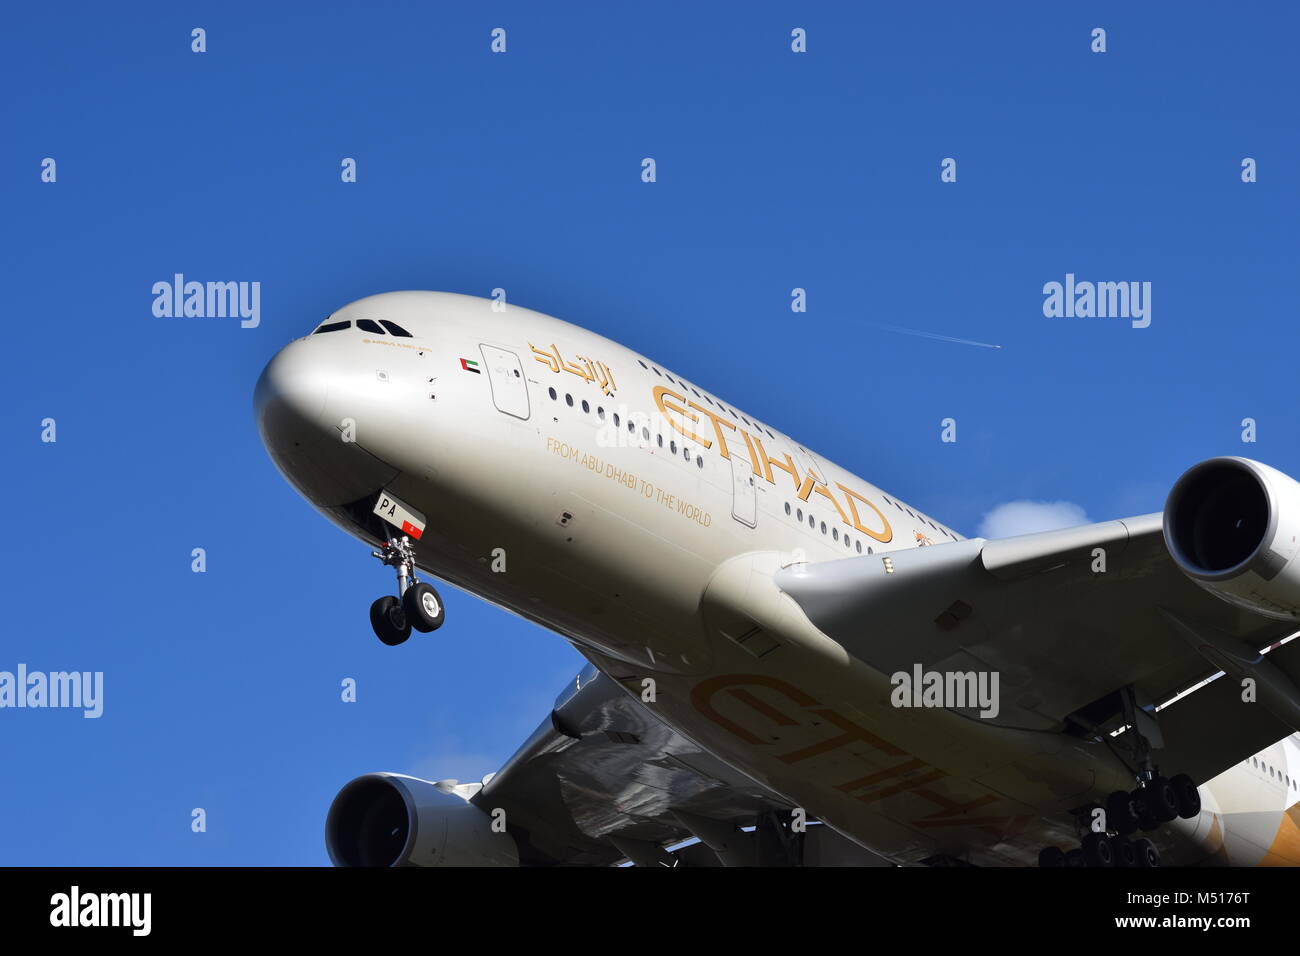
{"points": [[1075, 860], [388, 621], [1121, 815], [1097, 850], [423, 607], [1147, 854], [1051, 856], [1189, 798], [1161, 799], [1125, 854]]}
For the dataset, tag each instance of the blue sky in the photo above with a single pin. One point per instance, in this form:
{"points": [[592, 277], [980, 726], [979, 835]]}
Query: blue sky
{"points": [[775, 170]]}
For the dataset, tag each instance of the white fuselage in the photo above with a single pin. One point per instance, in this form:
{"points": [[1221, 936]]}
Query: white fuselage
{"points": [[652, 548]]}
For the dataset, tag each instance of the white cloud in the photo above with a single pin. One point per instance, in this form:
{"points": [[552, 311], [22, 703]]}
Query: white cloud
{"points": [[1026, 517]]}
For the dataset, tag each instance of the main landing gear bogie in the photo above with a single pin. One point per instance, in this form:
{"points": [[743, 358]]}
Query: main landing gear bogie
{"points": [[1102, 850], [1157, 802], [418, 605]]}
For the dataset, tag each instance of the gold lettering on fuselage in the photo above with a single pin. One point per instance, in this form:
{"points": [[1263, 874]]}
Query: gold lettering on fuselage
{"points": [[669, 408], [633, 482], [676, 410], [584, 368], [905, 774]]}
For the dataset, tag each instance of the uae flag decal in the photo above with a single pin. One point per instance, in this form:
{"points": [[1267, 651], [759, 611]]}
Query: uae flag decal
{"points": [[470, 365]]}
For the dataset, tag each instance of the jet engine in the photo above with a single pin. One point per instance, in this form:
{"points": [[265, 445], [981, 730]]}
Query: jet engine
{"points": [[1231, 525], [390, 819]]}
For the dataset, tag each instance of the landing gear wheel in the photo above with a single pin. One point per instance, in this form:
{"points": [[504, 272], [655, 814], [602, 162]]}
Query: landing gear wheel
{"points": [[1121, 815], [1146, 852], [1051, 856], [1074, 859], [1123, 851], [1161, 799], [1097, 850], [1189, 798], [389, 620], [423, 607]]}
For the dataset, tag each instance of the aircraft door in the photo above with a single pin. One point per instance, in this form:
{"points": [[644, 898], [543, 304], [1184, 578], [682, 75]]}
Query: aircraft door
{"points": [[506, 377], [744, 497]]}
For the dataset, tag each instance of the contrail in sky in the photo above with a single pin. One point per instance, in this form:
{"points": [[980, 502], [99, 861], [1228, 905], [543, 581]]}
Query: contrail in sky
{"points": [[931, 335]]}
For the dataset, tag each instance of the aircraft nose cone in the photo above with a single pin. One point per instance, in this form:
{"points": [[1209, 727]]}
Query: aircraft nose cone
{"points": [[289, 399]]}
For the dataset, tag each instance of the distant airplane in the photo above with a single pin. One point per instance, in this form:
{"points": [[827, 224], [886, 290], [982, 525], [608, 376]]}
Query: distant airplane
{"points": [[787, 665]]}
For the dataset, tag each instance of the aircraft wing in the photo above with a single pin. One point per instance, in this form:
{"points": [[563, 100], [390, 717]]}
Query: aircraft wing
{"points": [[1067, 618], [602, 779]]}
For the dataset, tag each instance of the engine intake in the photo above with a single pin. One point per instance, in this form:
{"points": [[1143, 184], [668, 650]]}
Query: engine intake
{"points": [[390, 819], [1231, 525]]}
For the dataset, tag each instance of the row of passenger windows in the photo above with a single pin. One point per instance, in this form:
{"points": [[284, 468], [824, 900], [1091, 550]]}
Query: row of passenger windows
{"points": [[921, 518], [1274, 774], [711, 401], [366, 325], [849, 543], [631, 427]]}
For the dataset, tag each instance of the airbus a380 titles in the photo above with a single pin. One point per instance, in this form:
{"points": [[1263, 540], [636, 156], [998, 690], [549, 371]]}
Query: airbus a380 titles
{"points": [[786, 663]]}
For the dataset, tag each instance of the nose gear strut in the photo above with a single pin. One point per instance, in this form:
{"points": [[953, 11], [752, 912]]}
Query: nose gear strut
{"points": [[417, 604]]}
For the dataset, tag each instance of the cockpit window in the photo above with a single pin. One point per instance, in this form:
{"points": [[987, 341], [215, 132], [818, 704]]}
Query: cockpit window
{"points": [[332, 327], [369, 325], [396, 329]]}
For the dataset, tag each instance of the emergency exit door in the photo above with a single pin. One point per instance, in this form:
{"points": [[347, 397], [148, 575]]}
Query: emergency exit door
{"points": [[744, 504], [506, 377]]}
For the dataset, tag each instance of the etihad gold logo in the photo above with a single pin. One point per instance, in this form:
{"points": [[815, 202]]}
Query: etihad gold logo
{"points": [[675, 406], [589, 371]]}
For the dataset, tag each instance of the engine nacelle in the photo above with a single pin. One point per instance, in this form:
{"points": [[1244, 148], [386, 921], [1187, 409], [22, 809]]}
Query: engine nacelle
{"points": [[1231, 525], [390, 819]]}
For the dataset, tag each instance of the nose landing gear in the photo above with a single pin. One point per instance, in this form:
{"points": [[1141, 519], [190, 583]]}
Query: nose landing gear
{"points": [[417, 606]]}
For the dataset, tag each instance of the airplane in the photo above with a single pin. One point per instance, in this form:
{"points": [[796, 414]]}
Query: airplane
{"points": [[786, 665]]}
